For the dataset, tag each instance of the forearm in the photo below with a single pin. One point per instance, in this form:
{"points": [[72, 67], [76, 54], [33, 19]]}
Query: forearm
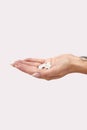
{"points": [[79, 65]]}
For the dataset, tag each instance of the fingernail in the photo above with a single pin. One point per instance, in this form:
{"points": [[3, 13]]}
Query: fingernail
{"points": [[37, 75], [12, 64], [16, 63]]}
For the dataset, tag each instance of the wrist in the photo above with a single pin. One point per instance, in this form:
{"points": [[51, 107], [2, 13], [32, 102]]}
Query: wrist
{"points": [[78, 65]]}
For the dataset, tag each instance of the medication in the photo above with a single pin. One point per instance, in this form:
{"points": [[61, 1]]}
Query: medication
{"points": [[45, 66]]}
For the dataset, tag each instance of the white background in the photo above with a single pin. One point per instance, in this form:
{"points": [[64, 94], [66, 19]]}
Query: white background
{"points": [[41, 29]]}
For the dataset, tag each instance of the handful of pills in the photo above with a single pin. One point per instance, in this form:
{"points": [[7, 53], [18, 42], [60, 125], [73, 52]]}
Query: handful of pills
{"points": [[45, 66]]}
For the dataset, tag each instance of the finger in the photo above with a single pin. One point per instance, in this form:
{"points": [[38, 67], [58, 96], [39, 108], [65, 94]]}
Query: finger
{"points": [[25, 68], [35, 60], [44, 74], [36, 64]]}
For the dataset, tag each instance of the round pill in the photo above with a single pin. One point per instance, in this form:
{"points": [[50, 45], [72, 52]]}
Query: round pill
{"points": [[45, 65]]}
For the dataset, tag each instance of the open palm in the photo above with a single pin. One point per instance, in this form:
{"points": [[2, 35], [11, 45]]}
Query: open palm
{"points": [[60, 66]]}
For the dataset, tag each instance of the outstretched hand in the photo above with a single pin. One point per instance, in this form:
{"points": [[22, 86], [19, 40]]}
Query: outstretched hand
{"points": [[60, 66]]}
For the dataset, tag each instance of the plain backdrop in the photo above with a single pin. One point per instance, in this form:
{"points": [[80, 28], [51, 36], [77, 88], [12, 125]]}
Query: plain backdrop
{"points": [[42, 29]]}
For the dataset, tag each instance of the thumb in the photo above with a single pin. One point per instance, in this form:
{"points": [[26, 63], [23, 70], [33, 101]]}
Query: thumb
{"points": [[37, 75]]}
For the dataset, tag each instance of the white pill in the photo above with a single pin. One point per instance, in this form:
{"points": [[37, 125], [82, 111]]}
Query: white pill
{"points": [[41, 66], [48, 65], [45, 65]]}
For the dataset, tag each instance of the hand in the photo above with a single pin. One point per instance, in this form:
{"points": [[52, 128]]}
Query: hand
{"points": [[61, 66]]}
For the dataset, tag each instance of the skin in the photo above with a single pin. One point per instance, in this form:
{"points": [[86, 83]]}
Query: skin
{"points": [[61, 66]]}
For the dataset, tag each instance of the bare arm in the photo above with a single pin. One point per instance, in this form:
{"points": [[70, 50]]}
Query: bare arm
{"points": [[80, 65]]}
